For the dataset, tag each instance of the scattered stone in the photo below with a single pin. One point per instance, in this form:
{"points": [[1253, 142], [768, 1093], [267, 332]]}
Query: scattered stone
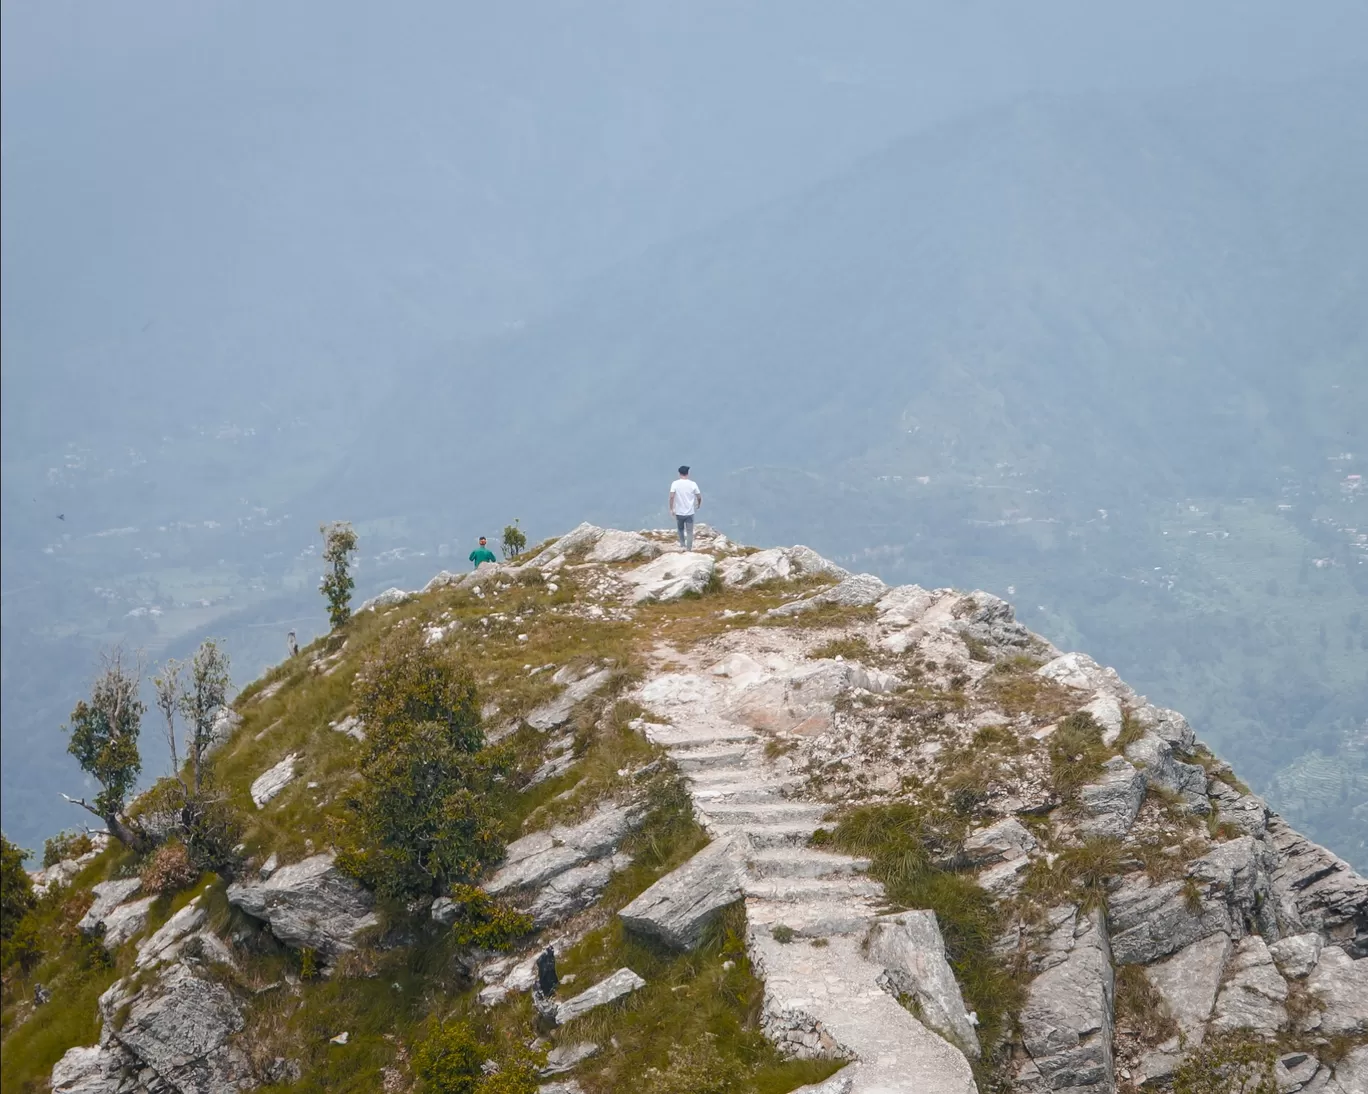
{"points": [[563, 1058], [341, 1038], [1253, 995], [679, 908], [41, 995], [1188, 982], [623, 982], [575, 889], [309, 904], [269, 867], [671, 576], [351, 726], [272, 781], [911, 950]]}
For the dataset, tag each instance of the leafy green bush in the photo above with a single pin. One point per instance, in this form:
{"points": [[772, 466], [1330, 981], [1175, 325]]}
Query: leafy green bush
{"points": [[66, 845], [339, 544], [483, 922], [514, 541], [425, 815], [17, 937]]}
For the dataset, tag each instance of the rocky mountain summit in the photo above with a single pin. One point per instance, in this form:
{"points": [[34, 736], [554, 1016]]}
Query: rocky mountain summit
{"points": [[772, 826]]}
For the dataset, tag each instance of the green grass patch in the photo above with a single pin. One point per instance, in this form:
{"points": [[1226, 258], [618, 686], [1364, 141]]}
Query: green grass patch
{"points": [[1076, 754]]}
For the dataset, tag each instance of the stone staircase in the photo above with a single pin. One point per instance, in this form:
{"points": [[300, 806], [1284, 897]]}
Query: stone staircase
{"points": [[808, 910]]}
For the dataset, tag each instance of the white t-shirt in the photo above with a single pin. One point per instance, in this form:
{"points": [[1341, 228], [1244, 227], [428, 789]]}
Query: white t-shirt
{"points": [[686, 496]]}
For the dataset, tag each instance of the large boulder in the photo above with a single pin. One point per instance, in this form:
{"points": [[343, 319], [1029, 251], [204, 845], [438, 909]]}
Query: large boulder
{"points": [[125, 921], [310, 904], [575, 889], [678, 909], [1318, 890], [911, 950], [671, 576], [181, 1026], [1233, 887], [1066, 1022]]}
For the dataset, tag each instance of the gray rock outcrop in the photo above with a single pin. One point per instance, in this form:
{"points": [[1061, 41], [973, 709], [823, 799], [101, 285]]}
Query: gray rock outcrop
{"points": [[623, 982], [310, 904], [273, 780], [617, 546], [108, 896], [671, 576], [853, 591], [679, 908], [1339, 984], [557, 711]]}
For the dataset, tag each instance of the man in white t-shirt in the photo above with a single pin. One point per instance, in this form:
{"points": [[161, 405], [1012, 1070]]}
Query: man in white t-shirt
{"points": [[686, 499]]}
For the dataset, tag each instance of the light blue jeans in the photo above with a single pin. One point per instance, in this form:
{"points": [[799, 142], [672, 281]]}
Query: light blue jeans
{"points": [[685, 532]]}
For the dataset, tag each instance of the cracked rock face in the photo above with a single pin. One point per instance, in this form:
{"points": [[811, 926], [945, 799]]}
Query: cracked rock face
{"points": [[1254, 993], [309, 904], [1188, 982], [1066, 1022], [671, 576], [910, 948], [273, 780]]}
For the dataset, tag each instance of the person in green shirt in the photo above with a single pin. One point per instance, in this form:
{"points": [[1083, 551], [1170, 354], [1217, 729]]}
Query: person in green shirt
{"points": [[482, 553]]}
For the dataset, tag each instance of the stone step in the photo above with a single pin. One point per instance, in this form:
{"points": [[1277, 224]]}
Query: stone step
{"points": [[803, 862], [729, 756], [812, 920], [764, 837], [738, 793], [760, 814], [681, 740], [828, 890]]}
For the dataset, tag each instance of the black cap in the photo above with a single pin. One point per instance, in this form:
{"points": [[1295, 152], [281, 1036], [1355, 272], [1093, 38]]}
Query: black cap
{"points": [[683, 468]]}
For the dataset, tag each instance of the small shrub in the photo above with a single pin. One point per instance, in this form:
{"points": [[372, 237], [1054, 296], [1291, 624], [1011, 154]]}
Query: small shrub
{"points": [[308, 964], [514, 541], [782, 933], [979, 650], [169, 869], [485, 923], [449, 1058], [66, 845]]}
